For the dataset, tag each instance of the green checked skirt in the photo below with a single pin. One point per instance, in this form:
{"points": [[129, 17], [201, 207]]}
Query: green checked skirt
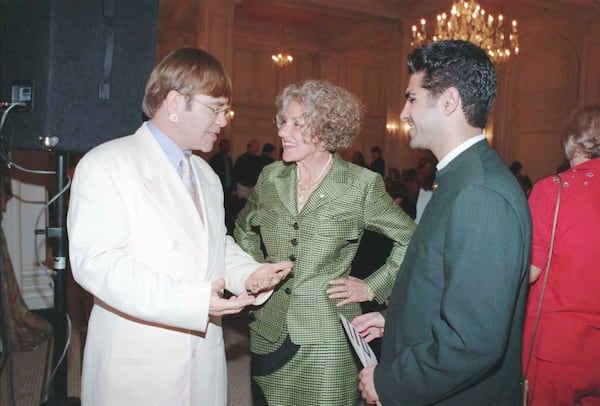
{"points": [[285, 374]]}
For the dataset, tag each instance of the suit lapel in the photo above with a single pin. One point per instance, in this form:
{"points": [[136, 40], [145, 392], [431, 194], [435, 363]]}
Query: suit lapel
{"points": [[168, 192], [206, 190], [285, 184]]}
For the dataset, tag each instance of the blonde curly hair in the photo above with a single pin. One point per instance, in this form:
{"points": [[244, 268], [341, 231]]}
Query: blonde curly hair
{"points": [[332, 115]]}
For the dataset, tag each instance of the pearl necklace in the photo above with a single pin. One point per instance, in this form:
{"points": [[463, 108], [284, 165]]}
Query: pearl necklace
{"points": [[302, 190]]}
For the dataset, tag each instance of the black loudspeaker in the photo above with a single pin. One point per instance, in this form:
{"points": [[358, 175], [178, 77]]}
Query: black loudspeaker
{"points": [[79, 65]]}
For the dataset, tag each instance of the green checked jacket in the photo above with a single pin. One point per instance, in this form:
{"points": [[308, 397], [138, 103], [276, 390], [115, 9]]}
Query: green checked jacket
{"points": [[321, 241]]}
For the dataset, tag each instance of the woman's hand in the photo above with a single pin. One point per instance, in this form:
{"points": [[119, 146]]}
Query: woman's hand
{"points": [[350, 290], [267, 276]]}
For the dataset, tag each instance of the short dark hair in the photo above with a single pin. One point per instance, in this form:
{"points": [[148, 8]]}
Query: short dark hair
{"points": [[268, 147], [376, 149], [516, 167], [459, 64]]}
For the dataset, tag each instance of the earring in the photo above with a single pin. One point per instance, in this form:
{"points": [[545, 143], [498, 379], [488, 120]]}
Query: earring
{"points": [[173, 118]]}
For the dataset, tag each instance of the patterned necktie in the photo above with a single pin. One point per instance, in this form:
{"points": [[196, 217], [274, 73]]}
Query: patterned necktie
{"points": [[188, 181]]}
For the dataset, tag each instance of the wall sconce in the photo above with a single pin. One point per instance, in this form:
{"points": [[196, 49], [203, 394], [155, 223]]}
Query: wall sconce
{"points": [[230, 115], [391, 128], [405, 128], [488, 131]]}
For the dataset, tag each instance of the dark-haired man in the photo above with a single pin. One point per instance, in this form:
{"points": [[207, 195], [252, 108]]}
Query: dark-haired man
{"points": [[454, 322]]}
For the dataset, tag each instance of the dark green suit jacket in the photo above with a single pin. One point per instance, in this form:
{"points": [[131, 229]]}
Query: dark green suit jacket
{"points": [[453, 326], [322, 241]]}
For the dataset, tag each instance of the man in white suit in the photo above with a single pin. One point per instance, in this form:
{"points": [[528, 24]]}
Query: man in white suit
{"points": [[157, 258]]}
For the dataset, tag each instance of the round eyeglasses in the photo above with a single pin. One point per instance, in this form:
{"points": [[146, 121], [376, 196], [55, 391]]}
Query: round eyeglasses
{"points": [[225, 110]]}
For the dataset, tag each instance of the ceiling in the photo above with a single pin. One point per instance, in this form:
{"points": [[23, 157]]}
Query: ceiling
{"points": [[327, 20]]}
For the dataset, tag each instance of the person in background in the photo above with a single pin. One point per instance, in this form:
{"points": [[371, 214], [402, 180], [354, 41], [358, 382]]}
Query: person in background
{"points": [[147, 239], [425, 176], [268, 150], [222, 164], [454, 321], [313, 209], [564, 363], [525, 181], [393, 174], [395, 186], [516, 167], [410, 183], [377, 162], [246, 169], [526, 184], [358, 158]]}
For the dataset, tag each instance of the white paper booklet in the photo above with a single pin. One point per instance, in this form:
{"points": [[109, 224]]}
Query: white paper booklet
{"points": [[361, 347]]}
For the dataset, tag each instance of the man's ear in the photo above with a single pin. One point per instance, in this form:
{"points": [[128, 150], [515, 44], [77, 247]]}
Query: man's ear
{"points": [[450, 100], [173, 97]]}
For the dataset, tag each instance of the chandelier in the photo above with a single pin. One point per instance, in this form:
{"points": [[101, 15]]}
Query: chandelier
{"points": [[282, 59], [469, 22]]}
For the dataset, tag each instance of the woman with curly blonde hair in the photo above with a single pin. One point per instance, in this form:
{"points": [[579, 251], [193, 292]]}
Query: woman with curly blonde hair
{"points": [[312, 208]]}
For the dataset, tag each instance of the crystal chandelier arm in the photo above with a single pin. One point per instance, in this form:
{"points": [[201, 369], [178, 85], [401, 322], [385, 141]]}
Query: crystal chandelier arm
{"points": [[469, 22]]}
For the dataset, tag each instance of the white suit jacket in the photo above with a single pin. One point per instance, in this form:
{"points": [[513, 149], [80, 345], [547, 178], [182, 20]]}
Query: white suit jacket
{"points": [[137, 243]]}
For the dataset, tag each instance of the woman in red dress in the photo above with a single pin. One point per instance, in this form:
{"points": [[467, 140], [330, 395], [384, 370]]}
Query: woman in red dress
{"points": [[564, 366]]}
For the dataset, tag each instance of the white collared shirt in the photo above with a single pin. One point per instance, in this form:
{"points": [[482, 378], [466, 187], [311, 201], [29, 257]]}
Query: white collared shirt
{"points": [[456, 151]]}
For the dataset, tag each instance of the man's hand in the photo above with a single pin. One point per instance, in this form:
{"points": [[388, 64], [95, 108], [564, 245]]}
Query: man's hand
{"points": [[221, 307], [366, 385], [268, 276], [369, 325]]}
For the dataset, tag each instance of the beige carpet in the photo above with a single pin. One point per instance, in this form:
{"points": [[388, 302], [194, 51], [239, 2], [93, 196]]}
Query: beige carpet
{"points": [[237, 351], [31, 371], [29, 368], [27, 375]]}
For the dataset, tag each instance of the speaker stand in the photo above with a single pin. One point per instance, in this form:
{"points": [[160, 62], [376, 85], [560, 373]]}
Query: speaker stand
{"points": [[58, 235]]}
